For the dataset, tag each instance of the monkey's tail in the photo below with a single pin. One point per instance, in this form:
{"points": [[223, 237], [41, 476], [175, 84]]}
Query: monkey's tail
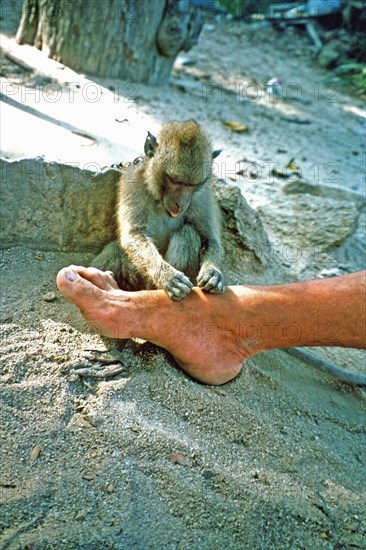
{"points": [[314, 360]]}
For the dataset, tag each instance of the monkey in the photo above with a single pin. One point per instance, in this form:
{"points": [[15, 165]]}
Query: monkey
{"points": [[168, 219]]}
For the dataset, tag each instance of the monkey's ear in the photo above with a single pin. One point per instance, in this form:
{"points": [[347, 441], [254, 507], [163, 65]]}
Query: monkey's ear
{"points": [[216, 153], [150, 145]]}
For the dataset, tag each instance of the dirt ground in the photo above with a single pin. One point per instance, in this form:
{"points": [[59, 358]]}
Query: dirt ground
{"points": [[150, 459]]}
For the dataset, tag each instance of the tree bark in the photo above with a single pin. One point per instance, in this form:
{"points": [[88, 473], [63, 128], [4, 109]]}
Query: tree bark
{"points": [[127, 39]]}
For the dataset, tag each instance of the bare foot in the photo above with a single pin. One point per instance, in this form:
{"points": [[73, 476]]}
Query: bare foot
{"points": [[211, 335], [200, 332]]}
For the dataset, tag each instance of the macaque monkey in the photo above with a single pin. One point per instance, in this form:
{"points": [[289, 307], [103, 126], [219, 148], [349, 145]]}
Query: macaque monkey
{"points": [[168, 221]]}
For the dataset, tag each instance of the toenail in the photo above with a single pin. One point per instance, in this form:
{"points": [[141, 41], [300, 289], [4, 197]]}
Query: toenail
{"points": [[71, 275]]}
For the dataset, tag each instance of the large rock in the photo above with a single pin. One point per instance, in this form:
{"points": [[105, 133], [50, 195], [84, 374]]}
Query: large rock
{"points": [[247, 248], [52, 206], [312, 227]]}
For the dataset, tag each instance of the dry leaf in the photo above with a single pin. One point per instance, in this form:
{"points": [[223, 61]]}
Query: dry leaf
{"points": [[235, 126], [35, 452], [291, 165], [279, 174]]}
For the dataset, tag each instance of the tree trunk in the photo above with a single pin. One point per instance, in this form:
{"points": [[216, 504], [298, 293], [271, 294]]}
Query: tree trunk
{"points": [[128, 39]]}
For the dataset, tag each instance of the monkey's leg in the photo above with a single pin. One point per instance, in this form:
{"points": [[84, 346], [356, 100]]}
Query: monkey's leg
{"points": [[113, 258], [183, 251], [109, 259]]}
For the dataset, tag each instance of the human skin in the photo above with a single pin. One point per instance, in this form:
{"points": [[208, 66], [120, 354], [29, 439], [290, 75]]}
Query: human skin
{"points": [[209, 335]]}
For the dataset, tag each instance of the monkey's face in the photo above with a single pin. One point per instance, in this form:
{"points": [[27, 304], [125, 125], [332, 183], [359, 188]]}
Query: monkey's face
{"points": [[176, 195], [180, 163]]}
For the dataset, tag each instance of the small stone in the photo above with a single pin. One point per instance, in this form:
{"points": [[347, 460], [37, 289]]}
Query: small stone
{"points": [[186, 61], [331, 272], [179, 458], [49, 297]]}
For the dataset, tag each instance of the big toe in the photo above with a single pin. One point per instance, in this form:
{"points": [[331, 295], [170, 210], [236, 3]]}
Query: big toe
{"points": [[76, 289]]}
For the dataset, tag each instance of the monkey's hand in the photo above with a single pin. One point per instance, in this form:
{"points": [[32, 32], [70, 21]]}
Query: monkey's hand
{"points": [[176, 284], [210, 279]]}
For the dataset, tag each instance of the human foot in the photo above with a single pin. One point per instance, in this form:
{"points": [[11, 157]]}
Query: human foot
{"points": [[197, 331], [94, 292]]}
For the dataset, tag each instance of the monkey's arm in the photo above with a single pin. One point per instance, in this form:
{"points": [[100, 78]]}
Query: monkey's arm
{"points": [[142, 253], [208, 225], [147, 260]]}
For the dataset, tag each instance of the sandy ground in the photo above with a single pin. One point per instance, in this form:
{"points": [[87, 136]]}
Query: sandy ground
{"points": [[151, 459]]}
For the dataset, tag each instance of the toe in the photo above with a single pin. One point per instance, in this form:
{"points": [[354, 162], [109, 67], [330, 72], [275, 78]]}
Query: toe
{"points": [[101, 279], [75, 288]]}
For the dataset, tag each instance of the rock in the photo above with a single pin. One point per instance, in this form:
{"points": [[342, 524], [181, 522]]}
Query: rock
{"points": [[314, 229], [54, 206], [300, 186], [330, 54], [243, 231], [49, 297]]}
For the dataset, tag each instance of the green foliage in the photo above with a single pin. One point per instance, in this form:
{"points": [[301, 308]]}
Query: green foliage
{"points": [[354, 75], [359, 80]]}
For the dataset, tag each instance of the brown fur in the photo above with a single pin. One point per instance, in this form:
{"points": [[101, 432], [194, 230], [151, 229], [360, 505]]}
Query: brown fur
{"points": [[168, 218]]}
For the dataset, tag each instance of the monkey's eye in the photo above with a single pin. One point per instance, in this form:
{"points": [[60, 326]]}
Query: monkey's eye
{"points": [[174, 181]]}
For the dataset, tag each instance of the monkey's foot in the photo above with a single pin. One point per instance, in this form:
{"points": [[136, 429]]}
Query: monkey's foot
{"points": [[98, 364], [98, 371]]}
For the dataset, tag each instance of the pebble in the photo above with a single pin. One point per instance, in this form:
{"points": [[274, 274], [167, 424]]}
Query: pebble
{"points": [[179, 458], [331, 272], [49, 297]]}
